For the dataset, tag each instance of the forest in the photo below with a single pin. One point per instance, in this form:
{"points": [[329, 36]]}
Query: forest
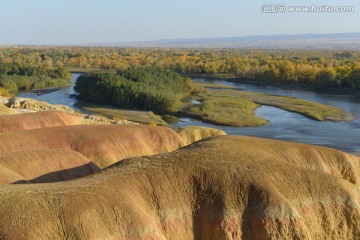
{"points": [[317, 69], [145, 88], [24, 76]]}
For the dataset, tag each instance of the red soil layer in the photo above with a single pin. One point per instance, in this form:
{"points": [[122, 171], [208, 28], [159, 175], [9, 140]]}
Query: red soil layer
{"points": [[26, 121]]}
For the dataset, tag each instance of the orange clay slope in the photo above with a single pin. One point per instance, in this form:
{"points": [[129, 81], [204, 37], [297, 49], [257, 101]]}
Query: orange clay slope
{"points": [[26, 121], [101, 144], [33, 149], [226, 187], [6, 111], [50, 165]]}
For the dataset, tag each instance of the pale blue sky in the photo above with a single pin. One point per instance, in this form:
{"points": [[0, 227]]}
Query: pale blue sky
{"points": [[103, 21]]}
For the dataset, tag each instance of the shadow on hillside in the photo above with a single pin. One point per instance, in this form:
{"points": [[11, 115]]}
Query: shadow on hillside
{"points": [[64, 175]]}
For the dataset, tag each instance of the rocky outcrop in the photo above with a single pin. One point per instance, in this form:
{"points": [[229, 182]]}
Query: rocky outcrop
{"points": [[34, 105], [223, 188], [4, 100], [28, 105], [96, 119]]}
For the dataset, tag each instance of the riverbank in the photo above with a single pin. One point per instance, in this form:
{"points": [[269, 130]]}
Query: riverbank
{"points": [[79, 70], [282, 85], [234, 107], [42, 91], [224, 106], [144, 117]]}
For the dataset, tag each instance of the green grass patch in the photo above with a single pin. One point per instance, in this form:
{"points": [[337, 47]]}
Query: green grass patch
{"points": [[144, 117], [230, 111], [316, 111]]}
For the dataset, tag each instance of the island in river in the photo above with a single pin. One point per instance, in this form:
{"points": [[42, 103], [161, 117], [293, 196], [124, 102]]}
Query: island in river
{"points": [[281, 124], [166, 92]]}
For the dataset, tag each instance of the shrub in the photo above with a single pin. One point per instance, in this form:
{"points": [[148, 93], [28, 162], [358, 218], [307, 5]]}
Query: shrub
{"points": [[4, 92], [152, 124]]}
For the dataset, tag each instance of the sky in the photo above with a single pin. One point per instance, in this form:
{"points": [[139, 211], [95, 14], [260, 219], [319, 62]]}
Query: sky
{"points": [[111, 21]]}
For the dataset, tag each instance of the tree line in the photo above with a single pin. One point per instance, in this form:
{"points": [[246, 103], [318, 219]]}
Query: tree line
{"points": [[15, 76], [144, 88], [314, 68]]}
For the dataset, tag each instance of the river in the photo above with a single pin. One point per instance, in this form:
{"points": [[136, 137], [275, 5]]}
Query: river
{"points": [[283, 125], [61, 96]]}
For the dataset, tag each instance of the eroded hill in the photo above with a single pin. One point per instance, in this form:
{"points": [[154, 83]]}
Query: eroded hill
{"points": [[223, 188], [115, 181], [52, 146]]}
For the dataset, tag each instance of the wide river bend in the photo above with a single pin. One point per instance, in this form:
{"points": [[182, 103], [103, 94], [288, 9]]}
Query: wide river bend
{"points": [[283, 125]]}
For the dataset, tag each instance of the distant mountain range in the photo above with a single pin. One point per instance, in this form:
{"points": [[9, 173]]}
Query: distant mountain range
{"points": [[346, 41]]}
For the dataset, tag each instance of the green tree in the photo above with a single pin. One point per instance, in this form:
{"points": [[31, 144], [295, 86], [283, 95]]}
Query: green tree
{"points": [[353, 80]]}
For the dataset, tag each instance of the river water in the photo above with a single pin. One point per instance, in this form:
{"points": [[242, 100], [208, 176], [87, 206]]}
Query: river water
{"points": [[61, 96], [283, 125]]}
